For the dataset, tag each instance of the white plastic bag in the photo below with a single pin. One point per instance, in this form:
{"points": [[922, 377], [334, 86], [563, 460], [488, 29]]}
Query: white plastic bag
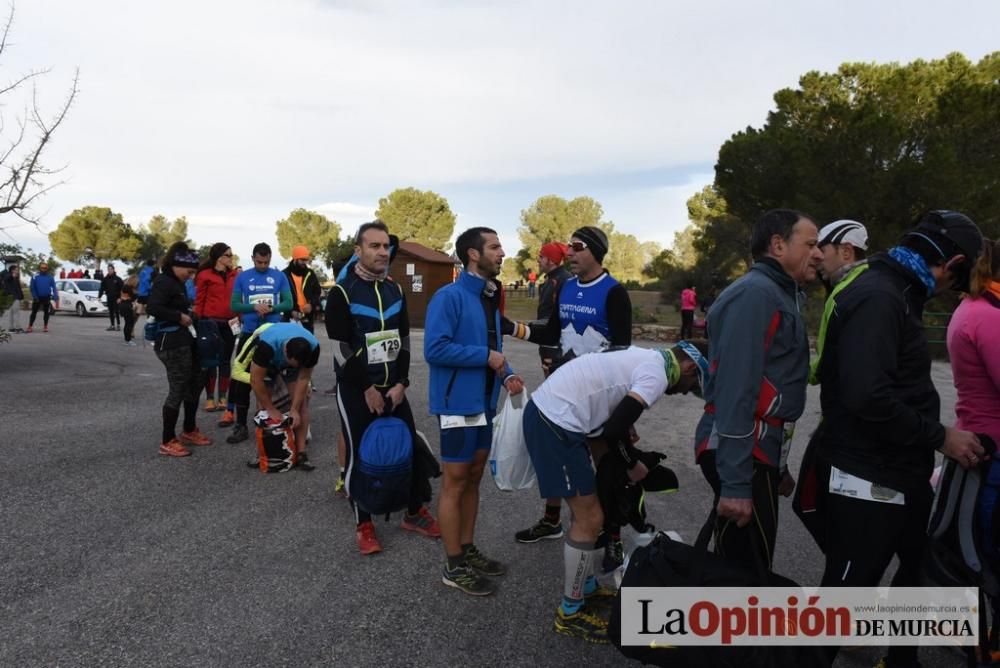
{"points": [[509, 461]]}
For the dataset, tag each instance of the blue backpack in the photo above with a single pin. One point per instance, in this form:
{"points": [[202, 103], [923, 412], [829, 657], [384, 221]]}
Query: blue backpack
{"points": [[380, 478]]}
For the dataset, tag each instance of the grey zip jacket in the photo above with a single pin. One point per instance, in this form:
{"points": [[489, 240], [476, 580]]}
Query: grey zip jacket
{"points": [[759, 368]]}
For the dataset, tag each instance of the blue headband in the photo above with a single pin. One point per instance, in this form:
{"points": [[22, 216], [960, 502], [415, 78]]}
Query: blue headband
{"points": [[691, 351]]}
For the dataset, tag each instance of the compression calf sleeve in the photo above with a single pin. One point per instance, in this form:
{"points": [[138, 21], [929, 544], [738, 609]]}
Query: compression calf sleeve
{"points": [[577, 559]]}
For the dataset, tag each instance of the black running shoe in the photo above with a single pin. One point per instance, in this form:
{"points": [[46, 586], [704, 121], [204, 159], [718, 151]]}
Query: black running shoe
{"points": [[302, 462], [240, 434], [468, 580], [541, 530], [582, 624], [483, 564]]}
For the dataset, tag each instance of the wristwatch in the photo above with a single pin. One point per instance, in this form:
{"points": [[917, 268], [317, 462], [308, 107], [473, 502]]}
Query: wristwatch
{"points": [[405, 382]]}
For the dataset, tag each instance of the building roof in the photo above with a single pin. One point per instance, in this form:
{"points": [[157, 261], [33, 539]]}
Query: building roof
{"points": [[424, 253]]}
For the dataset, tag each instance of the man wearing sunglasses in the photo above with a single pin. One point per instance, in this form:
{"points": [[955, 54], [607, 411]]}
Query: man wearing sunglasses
{"points": [[594, 313]]}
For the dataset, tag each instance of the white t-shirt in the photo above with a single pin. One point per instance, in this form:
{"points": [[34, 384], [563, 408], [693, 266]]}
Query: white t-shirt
{"points": [[582, 393]]}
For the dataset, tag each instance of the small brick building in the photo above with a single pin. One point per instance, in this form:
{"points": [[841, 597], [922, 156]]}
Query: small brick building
{"points": [[421, 271]]}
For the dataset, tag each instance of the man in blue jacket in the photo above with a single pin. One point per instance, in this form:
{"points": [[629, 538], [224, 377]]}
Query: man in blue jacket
{"points": [[463, 346], [43, 295], [146, 277]]}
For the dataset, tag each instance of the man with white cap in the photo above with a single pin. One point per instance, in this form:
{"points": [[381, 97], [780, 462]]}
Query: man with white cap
{"points": [[844, 244]]}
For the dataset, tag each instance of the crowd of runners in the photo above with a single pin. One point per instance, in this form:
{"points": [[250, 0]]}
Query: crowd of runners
{"points": [[864, 484]]}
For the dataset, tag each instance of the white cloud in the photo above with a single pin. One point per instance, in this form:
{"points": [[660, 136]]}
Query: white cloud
{"points": [[245, 111]]}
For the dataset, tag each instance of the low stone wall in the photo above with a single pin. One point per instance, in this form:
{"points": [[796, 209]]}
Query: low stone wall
{"points": [[670, 334], [660, 333]]}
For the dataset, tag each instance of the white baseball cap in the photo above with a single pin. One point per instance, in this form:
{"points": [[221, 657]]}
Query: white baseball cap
{"points": [[844, 232]]}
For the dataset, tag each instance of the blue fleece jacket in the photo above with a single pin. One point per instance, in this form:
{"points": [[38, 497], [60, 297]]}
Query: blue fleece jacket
{"points": [[456, 348], [145, 281], [43, 286]]}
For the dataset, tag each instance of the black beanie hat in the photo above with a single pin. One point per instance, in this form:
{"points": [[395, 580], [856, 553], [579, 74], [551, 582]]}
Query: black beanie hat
{"points": [[596, 240]]}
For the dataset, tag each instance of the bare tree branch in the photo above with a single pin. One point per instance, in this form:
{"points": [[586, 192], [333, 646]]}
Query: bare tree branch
{"points": [[23, 179], [23, 175], [30, 75], [6, 29]]}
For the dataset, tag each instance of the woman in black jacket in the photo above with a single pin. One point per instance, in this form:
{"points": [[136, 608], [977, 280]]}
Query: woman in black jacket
{"points": [[175, 345]]}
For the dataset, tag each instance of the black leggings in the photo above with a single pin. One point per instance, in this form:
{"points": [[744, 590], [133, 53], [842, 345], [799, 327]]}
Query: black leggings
{"points": [[863, 536], [46, 305], [113, 313], [239, 392], [354, 420], [128, 314], [184, 382], [733, 542], [687, 324]]}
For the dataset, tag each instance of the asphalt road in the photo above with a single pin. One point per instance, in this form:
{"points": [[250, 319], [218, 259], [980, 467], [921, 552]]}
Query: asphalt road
{"points": [[111, 555]]}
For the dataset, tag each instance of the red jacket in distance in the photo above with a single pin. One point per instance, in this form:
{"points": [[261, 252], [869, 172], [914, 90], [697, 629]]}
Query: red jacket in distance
{"points": [[213, 293]]}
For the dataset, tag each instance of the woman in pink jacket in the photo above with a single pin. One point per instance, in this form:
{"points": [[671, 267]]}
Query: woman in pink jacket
{"points": [[974, 348]]}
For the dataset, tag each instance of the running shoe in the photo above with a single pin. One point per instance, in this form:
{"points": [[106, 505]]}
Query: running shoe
{"points": [[45, 329], [483, 564], [422, 522], [211, 407], [173, 448], [302, 462], [614, 555], [128, 343], [468, 580], [227, 419], [541, 530], [240, 434], [367, 540], [601, 599], [582, 624], [339, 490], [110, 329], [28, 331], [195, 438]]}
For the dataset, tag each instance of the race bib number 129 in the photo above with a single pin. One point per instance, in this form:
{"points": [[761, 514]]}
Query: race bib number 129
{"points": [[383, 346]]}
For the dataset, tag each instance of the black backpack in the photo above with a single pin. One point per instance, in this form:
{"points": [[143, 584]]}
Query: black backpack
{"points": [[668, 563], [277, 450], [963, 535]]}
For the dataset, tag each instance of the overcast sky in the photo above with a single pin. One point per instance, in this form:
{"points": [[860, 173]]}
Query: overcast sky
{"points": [[233, 113]]}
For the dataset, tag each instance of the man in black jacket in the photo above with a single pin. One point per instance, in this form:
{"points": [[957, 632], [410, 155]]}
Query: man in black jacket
{"points": [[881, 413], [10, 284], [111, 286], [551, 260], [305, 287]]}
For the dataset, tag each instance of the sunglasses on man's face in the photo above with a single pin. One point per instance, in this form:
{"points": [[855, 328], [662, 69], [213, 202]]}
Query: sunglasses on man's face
{"points": [[577, 246]]}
